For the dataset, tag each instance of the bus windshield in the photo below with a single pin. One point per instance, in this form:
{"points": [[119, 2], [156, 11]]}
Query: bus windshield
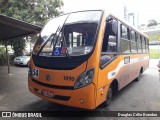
{"points": [[68, 35]]}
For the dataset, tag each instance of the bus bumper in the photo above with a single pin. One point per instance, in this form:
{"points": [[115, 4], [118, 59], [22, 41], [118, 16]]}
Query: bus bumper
{"points": [[82, 98]]}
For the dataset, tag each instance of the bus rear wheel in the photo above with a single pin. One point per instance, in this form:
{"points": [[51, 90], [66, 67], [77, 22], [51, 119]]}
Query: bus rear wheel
{"points": [[138, 78], [109, 96]]}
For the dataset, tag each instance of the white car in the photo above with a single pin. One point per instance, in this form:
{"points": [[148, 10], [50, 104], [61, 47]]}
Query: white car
{"points": [[22, 60]]}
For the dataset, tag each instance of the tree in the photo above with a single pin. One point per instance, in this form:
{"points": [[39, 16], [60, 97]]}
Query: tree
{"points": [[31, 11], [18, 46], [3, 2], [36, 12], [152, 22], [143, 25]]}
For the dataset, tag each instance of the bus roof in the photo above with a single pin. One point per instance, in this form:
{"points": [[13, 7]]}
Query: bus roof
{"points": [[123, 21], [110, 14], [128, 24]]}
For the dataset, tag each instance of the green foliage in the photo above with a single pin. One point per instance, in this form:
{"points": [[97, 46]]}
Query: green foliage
{"points": [[2, 55], [3, 60], [142, 25], [2, 50], [154, 37], [33, 38], [152, 22], [154, 53], [32, 11], [18, 46]]}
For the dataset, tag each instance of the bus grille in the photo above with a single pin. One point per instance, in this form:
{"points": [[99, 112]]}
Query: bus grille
{"points": [[53, 86]]}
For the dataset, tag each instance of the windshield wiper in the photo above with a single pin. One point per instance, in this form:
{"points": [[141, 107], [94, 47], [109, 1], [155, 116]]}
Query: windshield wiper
{"points": [[64, 42], [63, 38], [55, 35], [65, 45], [58, 29]]}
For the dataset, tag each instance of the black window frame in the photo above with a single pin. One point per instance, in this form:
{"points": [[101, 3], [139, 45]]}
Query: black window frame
{"points": [[108, 38], [133, 40], [124, 39]]}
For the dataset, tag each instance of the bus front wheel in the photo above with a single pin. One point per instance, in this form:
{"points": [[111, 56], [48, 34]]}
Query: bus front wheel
{"points": [[109, 96]]}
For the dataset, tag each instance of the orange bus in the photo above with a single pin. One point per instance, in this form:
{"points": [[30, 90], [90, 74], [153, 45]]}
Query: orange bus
{"points": [[83, 58]]}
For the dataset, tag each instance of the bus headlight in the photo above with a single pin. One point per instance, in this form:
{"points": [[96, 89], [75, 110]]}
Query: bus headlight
{"points": [[84, 79]]}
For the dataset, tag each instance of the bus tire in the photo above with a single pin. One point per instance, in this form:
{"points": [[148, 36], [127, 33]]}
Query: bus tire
{"points": [[109, 96], [138, 78]]}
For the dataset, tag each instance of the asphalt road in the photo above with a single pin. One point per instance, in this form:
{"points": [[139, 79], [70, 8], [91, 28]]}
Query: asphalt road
{"points": [[137, 96]]}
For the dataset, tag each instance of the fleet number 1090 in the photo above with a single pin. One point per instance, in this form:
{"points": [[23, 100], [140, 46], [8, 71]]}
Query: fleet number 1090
{"points": [[68, 78]]}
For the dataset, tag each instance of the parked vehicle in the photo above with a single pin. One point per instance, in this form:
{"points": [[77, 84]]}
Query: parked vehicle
{"points": [[22, 60]]}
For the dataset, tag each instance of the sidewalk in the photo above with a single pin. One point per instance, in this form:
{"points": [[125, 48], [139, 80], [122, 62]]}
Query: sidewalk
{"points": [[153, 63]]}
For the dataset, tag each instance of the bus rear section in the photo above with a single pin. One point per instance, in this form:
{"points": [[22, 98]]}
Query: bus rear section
{"points": [[62, 69]]}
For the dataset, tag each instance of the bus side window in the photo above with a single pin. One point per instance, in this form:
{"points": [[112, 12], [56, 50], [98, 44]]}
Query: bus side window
{"points": [[109, 46], [125, 39], [110, 36]]}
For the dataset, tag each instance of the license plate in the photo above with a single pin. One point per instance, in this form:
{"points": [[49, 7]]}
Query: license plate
{"points": [[47, 93]]}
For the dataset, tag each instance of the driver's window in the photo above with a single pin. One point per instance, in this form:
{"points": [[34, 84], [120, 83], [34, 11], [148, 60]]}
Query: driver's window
{"points": [[110, 36], [109, 46]]}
